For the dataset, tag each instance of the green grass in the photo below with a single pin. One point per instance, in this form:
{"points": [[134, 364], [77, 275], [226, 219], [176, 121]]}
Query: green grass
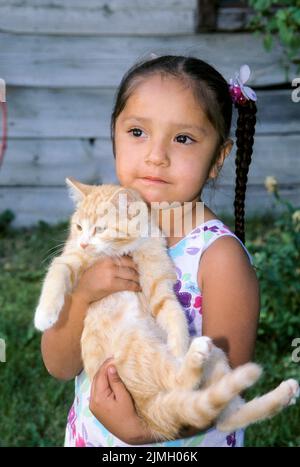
{"points": [[34, 405]]}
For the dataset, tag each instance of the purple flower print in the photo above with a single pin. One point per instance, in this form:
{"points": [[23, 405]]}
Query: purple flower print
{"points": [[231, 441], [213, 228], [192, 250], [183, 297], [177, 286]]}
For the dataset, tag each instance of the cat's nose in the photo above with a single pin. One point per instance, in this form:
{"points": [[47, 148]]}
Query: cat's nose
{"points": [[83, 245]]}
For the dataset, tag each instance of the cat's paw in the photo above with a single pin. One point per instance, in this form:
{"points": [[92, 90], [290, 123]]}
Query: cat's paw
{"points": [[291, 391], [46, 315], [200, 350]]}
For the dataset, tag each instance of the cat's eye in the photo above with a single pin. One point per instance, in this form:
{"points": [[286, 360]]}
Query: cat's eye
{"points": [[99, 229], [78, 226]]}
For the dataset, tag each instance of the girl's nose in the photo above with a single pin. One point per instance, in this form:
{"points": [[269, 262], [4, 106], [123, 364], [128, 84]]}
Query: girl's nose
{"points": [[157, 157]]}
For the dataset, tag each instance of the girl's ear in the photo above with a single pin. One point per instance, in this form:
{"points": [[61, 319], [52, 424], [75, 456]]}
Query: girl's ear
{"points": [[224, 152], [78, 191]]}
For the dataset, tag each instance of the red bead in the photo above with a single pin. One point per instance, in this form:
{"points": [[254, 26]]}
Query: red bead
{"points": [[237, 95]]}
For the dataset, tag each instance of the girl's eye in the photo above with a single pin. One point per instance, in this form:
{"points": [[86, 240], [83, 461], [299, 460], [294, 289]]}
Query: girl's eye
{"points": [[78, 226], [134, 130], [185, 136], [180, 136]]}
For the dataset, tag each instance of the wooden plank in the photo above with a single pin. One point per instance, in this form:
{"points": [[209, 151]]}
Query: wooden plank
{"points": [[74, 61], [46, 162], [258, 200], [33, 204], [233, 18], [113, 5], [273, 155], [85, 113], [53, 204], [135, 17]]}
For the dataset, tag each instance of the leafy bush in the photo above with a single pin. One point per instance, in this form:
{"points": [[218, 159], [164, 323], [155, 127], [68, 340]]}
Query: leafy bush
{"points": [[6, 218], [277, 261], [279, 20]]}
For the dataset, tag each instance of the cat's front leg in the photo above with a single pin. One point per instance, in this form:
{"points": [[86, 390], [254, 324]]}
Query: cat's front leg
{"points": [[60, 280], [157, 278], [172, 319]]}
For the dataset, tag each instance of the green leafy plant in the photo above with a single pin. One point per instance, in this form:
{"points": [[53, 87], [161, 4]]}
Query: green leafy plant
{"points": [[6, 218], [278, 21], [277, 262]]}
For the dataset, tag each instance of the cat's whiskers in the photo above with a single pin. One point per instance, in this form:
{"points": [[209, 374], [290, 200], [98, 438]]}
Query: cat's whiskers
{"points": [[56, 250]]}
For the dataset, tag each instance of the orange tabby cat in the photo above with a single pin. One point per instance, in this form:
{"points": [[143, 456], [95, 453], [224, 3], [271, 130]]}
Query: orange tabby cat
{"points": [[173, 382]]}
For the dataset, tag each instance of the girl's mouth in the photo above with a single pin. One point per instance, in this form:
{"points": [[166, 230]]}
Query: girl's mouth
{"points": [[152, 180]]}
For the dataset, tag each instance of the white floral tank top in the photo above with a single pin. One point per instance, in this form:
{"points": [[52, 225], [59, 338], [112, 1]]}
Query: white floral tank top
{"points": [[83, 429]]}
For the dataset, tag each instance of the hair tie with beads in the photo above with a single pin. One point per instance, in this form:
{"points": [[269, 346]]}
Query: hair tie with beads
{"points": [[240, 94]]}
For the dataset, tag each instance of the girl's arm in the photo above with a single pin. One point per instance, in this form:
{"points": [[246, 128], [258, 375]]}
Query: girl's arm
{"points": [[60, 345], [231, 299]]}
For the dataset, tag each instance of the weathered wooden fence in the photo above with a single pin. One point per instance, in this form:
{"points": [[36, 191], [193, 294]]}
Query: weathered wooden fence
{"points": [[62, 62]]}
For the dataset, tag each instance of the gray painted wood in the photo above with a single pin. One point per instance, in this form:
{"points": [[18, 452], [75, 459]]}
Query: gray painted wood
{"points": [[98, 17], [233, 18], [46, 162], [69, 113], [91, 61], [52, 204], [62, 62]]}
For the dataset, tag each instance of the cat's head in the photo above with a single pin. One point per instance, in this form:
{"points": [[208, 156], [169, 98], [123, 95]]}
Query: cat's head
{"points": [[108, 219]]}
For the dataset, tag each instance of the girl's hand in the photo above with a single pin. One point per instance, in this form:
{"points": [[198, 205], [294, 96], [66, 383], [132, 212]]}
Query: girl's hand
{"points": [[113, 406], [106, 276]]}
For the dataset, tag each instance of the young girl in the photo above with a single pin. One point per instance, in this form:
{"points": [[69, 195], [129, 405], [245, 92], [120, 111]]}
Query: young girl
{"points": [[171, 121]]}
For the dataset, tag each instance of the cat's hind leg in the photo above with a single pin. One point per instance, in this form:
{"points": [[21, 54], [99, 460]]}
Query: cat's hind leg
{"points": [[191, 369], [260, 408], [169, 410]]}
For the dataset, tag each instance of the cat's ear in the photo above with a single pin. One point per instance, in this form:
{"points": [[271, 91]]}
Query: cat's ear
{"points": [[78, 191]]}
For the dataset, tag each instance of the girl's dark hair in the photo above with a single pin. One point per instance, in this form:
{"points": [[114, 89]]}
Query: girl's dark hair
{"points": [[212, 92]]}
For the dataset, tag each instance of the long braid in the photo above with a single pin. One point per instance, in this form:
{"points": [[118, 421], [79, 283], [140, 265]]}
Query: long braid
{"points": [[244, 141]]}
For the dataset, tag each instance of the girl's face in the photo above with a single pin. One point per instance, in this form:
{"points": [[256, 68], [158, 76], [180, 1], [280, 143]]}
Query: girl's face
{"points": [[163, 132]]}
